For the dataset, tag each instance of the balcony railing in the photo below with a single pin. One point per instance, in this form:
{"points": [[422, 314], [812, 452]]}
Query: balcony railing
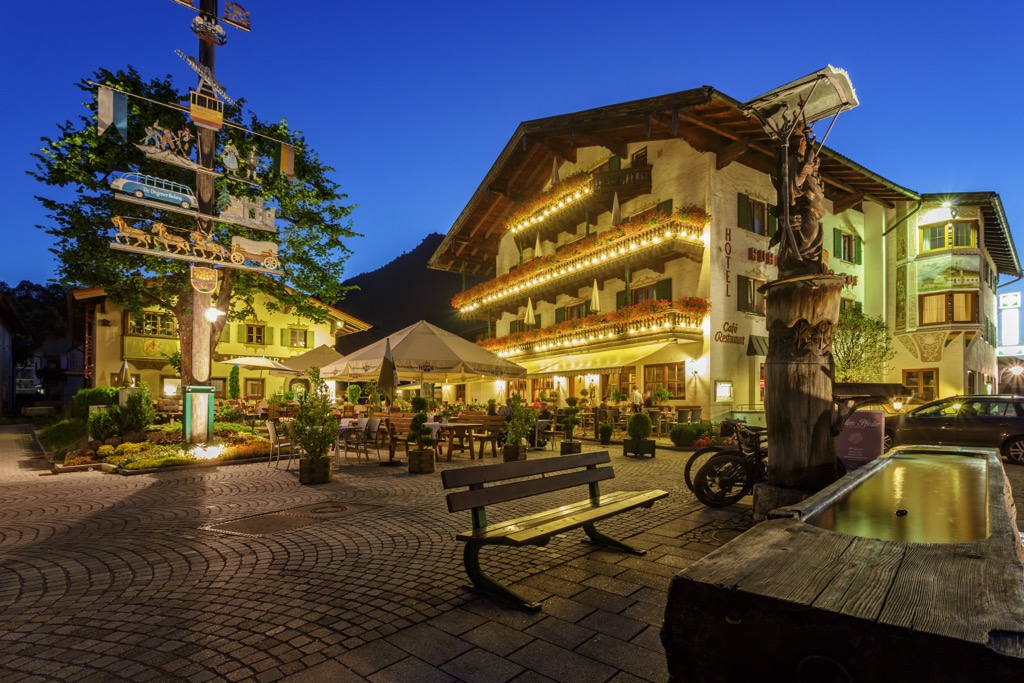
{"points": [[658, 316], [621, 242]]}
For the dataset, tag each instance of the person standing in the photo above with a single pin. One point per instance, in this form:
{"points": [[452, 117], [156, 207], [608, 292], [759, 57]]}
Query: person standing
{"points": [[637, 399]]}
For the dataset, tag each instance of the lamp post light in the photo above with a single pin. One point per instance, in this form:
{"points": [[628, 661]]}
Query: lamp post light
{"points": [[803, 302]]}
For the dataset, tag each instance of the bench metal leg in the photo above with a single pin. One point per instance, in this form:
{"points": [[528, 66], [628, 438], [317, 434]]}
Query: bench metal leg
{"points": [[598, 538], [481, 583]]}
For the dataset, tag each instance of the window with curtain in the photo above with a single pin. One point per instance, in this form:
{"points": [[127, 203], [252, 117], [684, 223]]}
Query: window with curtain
{"points": [[949, 235], [946, 307], [925, 383], [672, 376], [516, 386], [748, 298], [933, 309], [963, 307]]}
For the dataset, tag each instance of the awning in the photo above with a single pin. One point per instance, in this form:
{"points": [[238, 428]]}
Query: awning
{"points": [[534, 367], [597, 361], [757, 346]]}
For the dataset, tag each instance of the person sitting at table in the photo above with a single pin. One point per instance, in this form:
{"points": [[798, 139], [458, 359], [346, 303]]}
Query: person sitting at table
{"points": [[537, 440]]}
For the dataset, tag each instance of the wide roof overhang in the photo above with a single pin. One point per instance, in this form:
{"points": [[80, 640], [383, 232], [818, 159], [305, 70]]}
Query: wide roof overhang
{"points": [[708, 120]]}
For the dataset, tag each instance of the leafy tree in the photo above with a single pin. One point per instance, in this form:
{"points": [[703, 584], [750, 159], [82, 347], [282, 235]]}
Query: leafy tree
{"points": [[82, 165], [861, 347], [43, 310]]}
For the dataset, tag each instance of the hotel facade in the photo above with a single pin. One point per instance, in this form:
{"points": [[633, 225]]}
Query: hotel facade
{"points": [[625, 246]]}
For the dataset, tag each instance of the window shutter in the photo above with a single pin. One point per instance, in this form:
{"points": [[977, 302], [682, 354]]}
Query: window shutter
{"points": [[536, 321], [620, 299], [743, 293], [268, 336], [663, 290], [225, 334], [285, 334], [240, 336], [615, 163], [559, 314], [665, 206], [773, 220], [858, 248], [837, 243], [743, 211], [310, 339]]}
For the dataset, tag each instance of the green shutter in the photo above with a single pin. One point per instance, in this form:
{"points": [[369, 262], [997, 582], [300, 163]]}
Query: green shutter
{"points": [[837, 243], [559, 314], [743, 294], [859, 248], [743, 218], [268, 336], [225, 334], [536, 321], [663, 290], [615, 163], [310, 339], [665, 206], [240, 329], [620, 299], [285, 333], [773, 220]]}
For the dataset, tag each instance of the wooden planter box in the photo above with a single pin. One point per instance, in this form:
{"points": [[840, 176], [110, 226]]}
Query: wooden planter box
{"points": [[317, 471], [571, 447], [421, 462], [638, 447], [513, 453]]}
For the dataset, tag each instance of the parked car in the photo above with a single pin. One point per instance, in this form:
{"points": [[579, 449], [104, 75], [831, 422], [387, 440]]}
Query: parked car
{"points": [[993, 421]]}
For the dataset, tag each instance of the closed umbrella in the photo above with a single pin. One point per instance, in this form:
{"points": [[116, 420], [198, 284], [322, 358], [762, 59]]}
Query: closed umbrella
{"points": [[616, 211], [530, 318], [595, 299]]}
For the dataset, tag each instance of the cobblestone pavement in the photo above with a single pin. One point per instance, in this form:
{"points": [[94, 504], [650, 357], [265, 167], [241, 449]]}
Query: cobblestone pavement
{"points": [[144, 578]]}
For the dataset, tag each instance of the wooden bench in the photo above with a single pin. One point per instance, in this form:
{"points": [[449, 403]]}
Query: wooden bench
{"points": [[489, 433], [490, 484]]}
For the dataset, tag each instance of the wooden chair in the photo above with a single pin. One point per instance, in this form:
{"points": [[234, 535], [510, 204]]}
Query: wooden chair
{"points": [[277, 442]]}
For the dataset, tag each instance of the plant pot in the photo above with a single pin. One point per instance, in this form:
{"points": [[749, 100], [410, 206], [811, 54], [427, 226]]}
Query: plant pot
{"points": [[605, 440], [421, 462], [315, 471], [513, 453], [571, 447], [638, 447]]}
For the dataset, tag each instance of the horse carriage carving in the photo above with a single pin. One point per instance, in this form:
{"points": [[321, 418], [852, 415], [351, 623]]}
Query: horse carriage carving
{"points": [[264, 253]]}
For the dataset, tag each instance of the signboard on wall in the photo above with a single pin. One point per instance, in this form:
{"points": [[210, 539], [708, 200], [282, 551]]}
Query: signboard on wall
{"points": [[861, 439]]}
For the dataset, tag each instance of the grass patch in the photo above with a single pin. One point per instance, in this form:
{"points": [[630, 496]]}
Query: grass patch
{"points": [[62, 434]]}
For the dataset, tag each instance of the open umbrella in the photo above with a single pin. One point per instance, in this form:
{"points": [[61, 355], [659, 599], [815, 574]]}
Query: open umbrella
{"points": [[424, 353], [260, 363], [318, 357]]}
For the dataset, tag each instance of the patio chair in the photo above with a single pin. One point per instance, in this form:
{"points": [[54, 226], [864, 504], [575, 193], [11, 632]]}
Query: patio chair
{"points": [[277, 442], [367, 437]]}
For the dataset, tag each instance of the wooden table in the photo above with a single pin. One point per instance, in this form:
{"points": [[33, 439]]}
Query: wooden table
{"points": [[450, 431]]}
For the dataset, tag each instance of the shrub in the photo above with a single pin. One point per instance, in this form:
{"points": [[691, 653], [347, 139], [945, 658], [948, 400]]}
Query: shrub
{"points": [[605, 432], [234, 390], [353, 392], [131, 448], [78, 458], [258, 448], [639, 426], [104, 451], [684, 436], [314, 429], [230, 413], [138, 412], [97, 396], [159, 461], [103, 423]]}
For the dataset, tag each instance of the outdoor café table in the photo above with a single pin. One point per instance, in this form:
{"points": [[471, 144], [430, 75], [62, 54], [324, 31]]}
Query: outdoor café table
{"points": [[347, 427], [450, 431]]}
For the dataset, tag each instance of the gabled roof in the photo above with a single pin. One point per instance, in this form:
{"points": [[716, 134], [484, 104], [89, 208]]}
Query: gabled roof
{"points": [[708, 120], [998, 241]]}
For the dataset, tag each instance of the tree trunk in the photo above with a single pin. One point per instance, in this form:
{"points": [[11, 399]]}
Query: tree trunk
{"points": [[802, 313]]}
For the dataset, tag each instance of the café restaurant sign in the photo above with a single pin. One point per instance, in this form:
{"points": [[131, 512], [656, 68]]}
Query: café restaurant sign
{"points": [[727, 335], [204, 280]]}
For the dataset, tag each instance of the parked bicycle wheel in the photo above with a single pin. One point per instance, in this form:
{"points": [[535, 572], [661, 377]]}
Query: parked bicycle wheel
{"points": [[697, 461], [723, 480]]}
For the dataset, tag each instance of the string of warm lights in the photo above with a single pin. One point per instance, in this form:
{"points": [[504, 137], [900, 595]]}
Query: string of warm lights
{"points": [[570, 191], [669, 229]]}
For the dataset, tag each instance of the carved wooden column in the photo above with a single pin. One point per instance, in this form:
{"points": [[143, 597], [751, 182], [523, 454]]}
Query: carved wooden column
{"points": [[801, 314]]}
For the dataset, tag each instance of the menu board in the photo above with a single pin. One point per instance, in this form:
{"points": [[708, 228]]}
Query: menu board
{"points": [[861, 438]]}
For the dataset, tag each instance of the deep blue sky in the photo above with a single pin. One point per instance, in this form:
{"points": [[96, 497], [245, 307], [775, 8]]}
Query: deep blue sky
{"points": [[412, 102]]}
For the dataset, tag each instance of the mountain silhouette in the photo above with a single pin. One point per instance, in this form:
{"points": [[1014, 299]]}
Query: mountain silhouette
{"points": [[404, 292]]}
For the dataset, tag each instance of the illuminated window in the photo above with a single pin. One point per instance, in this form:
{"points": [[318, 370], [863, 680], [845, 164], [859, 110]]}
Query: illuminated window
{"points": [[254, 388], [255, 334], [672, 376], [754, 215], [925, 383], [749, 298], [516, 387], [219, 387], [947, 307], [151, 324], [297, 338], [847, 247], [949, 235]]}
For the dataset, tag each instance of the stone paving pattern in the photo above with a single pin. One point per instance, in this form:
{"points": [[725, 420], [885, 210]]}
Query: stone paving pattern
{"points": [[105, 577]]}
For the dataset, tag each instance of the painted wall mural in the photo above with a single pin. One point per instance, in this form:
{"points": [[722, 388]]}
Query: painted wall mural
{"points": [[941, 273], [901, 297]]}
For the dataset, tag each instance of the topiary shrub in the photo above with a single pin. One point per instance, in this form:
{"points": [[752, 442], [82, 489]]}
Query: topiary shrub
{"points": [[639, 426], [234, 388], [684, 435], [605, 433], [96, 396], [103, 423], [138, 412]]}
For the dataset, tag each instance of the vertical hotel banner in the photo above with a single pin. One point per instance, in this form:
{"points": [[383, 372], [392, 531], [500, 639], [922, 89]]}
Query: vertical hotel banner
{"points": [[111, 108]]}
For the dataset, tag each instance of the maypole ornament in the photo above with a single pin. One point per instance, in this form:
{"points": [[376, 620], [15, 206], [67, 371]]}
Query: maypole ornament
{"points": [[209, 31]]}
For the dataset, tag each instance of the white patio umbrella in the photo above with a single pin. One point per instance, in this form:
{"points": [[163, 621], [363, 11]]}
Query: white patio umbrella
{"points": [[595, 299], [260, 363], [616, 210], [530, 318], [318, 357], [424, 353]]}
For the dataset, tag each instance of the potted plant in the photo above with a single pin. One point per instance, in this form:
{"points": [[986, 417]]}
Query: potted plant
{"points": [[569, 422], [605, 433], [639, 429], [616, 396], [661, 395], [516, 428], [353, 392], [314, 431], [421, 460]]}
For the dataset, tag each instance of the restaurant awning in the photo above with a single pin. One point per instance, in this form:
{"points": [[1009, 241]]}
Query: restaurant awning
{"points": [[757, 346], [598, 361]]}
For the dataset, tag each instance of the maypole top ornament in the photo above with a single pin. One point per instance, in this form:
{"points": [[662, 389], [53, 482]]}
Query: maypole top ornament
{"points": [[209, 31]]}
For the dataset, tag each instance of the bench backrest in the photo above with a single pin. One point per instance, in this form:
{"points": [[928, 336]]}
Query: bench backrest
{"points": [[491, 423], [491, 484]]}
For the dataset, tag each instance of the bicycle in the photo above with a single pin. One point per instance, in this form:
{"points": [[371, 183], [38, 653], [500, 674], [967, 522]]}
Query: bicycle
{"points": [[729, 475], [730, 426]]}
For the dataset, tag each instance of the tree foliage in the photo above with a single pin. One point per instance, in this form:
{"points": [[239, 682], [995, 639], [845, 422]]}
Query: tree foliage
{"points": [[80, 166], [861, 347], [43, 310]]}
